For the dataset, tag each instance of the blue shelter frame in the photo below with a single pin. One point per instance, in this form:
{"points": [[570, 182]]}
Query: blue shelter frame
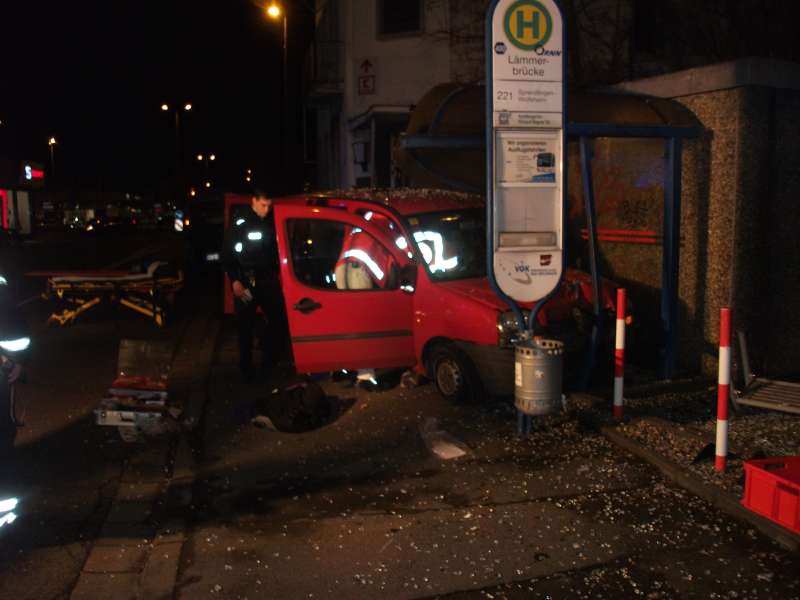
{"points": [[673, 137]]}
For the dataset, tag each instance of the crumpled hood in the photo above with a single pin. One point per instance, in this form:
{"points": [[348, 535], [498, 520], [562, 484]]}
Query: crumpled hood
{"points": [[476, 289]]}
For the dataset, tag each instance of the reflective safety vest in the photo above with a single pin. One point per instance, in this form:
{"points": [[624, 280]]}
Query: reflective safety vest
{"points": [[363, 263]]}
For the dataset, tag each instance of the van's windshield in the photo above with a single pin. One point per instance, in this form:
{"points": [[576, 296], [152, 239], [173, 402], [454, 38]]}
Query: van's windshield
{"points": [[453, 243]]}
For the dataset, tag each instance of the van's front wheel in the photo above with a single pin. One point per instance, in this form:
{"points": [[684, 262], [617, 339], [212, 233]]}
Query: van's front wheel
{"points": [[454, 374]]}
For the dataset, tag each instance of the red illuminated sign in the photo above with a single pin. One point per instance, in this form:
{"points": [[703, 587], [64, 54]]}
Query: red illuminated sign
{"points": [[32, 174]]}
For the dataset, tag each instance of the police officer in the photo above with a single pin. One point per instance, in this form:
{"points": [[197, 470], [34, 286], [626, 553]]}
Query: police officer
{"points": [[250, 259]]}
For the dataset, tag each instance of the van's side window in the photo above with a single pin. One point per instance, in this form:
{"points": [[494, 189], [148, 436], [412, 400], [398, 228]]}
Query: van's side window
{"points": [[334, 255]]}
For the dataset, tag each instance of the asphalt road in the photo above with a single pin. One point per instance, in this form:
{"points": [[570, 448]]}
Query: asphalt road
{"points": [[65, 469], [362, 508]]}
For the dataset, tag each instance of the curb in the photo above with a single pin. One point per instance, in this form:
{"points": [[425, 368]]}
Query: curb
{"points": [[130, 559], [713, 495], [160, 573]]}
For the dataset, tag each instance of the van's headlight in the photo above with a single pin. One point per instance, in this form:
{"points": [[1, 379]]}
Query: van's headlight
{"points": [[17, 345], [508, 332]]}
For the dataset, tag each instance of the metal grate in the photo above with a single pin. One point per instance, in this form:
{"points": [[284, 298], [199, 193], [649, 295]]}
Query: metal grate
{"points": [[776, 395]]}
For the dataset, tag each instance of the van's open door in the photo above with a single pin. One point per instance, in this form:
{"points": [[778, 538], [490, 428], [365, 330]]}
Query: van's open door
{"points": [[342, 286]]}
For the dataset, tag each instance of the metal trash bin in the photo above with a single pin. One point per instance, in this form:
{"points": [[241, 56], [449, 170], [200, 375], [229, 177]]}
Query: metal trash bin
{"points": [[538, 372]]}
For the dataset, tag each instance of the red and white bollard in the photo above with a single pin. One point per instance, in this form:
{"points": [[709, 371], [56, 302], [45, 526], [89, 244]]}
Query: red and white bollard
{"points": [[619, 354], [723, 388]]}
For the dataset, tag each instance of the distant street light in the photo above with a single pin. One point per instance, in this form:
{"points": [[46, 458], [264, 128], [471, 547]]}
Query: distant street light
{"points": [[274, 12], [205, 158], [208, 184], [186, 107], [52, 143]]}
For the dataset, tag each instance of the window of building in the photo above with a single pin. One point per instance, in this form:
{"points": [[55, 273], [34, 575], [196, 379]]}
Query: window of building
{"points": [[400, 17]]}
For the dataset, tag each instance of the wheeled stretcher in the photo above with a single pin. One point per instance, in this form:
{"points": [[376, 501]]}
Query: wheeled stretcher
{"points": [[150, 293]]}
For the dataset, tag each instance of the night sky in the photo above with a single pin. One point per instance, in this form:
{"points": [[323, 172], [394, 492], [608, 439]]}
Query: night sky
{"points": [[94, 74]]}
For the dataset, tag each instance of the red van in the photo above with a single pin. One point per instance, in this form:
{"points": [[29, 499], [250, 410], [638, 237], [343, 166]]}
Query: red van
{"points": [[397, 279]]}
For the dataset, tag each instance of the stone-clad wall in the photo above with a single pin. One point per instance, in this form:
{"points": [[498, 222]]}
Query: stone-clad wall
{"points": [[740, 210], [750, 248], [711, 195]]}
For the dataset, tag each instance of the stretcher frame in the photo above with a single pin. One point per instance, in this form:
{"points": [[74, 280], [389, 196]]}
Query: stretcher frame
{"points": [[76, 293]]}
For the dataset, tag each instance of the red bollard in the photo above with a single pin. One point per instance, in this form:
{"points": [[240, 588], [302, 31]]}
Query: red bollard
{"points": [[619, 354], [723, 388]]}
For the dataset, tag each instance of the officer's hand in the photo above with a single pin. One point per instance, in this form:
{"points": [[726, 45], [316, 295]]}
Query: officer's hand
{"points": [[238, 289]]}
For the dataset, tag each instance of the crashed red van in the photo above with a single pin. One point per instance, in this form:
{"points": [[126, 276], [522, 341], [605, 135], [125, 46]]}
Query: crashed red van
{"points": [[397, 279]]}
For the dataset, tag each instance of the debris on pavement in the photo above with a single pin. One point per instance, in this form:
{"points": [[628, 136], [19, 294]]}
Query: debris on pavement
{"points": [[439, 442], [685, 422]]}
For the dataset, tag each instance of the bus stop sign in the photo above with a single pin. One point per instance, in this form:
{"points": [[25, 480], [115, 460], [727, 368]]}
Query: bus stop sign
{"points": [[525, 146]]}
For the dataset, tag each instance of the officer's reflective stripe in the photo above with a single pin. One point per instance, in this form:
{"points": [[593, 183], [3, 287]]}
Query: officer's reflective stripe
{"points": [[238, 246], [351, 336], [367, 260], [239, 221], [254, 236]]}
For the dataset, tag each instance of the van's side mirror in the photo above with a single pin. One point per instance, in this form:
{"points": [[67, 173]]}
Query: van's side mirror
{"points": [[407, 277]]}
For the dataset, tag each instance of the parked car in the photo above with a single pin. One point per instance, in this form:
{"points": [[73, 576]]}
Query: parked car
{"points": [[397, 279]]}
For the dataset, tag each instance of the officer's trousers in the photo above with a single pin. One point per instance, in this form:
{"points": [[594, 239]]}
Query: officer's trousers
{"points": [[269, 326]]}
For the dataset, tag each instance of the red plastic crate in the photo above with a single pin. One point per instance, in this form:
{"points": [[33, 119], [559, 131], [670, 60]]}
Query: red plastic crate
{"points": [[772, 489]]}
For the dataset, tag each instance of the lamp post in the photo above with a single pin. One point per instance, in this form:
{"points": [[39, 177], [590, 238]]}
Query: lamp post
{"points": [[205, 158], [275, 12], [52, 143], [186, 108]]}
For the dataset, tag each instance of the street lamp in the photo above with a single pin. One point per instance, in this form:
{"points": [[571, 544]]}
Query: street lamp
{"points": [[274, 12], [186, 108], [52, 143], [205, 158]]}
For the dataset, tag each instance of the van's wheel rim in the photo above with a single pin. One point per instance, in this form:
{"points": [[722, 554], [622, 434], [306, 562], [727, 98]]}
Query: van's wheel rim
{"points": [[448, 377]]}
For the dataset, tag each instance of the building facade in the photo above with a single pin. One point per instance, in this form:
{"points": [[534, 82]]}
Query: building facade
{"points": [[370, 63]]}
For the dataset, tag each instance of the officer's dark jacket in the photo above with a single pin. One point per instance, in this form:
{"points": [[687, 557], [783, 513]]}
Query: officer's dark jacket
{"points": [[250, 249]]}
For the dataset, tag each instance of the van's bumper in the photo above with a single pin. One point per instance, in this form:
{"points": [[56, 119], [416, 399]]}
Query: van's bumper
{"points": [[495, 366]]}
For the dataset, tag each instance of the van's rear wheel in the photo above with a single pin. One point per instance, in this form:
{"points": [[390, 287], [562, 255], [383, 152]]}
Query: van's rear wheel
{"points": [[454, 374]]}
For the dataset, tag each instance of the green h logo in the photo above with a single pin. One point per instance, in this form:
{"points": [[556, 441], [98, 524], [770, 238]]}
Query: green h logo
{"points": [[524, 23], [528, 24]]}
